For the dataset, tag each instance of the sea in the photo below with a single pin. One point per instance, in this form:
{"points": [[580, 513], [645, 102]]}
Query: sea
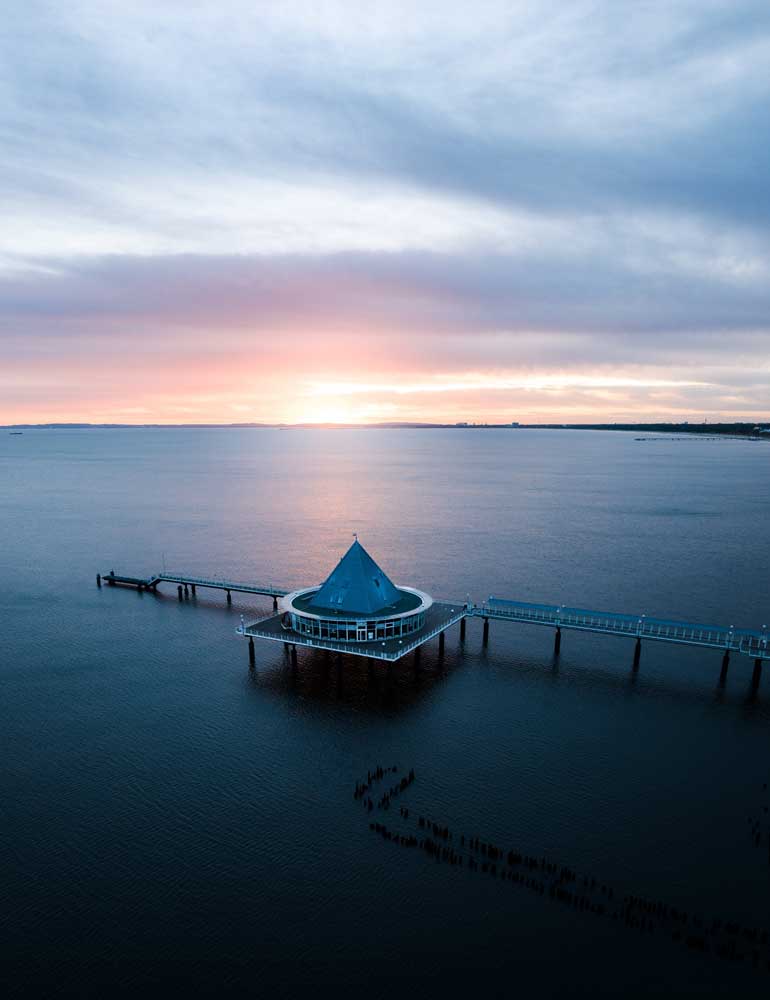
{"points": [[176, 821]]}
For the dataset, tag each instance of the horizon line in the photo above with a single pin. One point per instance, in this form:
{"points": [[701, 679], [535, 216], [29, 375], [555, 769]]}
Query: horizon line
{"points": [[393, 425]]}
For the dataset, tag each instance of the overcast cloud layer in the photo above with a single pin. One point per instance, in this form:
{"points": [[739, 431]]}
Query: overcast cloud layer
{"points": [[365, 211]]}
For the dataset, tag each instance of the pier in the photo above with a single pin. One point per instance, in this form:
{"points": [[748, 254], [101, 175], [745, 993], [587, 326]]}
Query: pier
{"points": [[358, 611], [187, 585]]}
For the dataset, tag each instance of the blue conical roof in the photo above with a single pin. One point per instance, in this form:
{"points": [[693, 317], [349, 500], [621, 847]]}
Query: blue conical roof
{"points": [[357, 585]]}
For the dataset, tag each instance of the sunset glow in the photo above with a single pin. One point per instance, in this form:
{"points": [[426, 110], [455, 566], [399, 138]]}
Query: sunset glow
{"points": [[344, 217]]}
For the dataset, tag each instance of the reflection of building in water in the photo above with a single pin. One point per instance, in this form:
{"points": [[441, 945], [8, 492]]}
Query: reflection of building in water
{"points": [[356, 603]]}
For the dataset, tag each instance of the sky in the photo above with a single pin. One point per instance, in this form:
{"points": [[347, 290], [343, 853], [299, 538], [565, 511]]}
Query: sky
{"points": [[363, 212]]}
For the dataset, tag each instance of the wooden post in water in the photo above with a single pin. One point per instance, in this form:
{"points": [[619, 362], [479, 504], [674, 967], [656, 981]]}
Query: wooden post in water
{"points": [[725, 665], [557, 642], [637, 653], [486, 632], [462, 629], [757, 674], [186, 591], [294, 657], [179, 591], [229, 597], [251, 650], [192, 587], [98, 579], [441, 644], [275, 603]]}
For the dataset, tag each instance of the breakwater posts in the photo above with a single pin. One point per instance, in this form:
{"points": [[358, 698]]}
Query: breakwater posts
{"points": [[718, 937], [759, 824]]}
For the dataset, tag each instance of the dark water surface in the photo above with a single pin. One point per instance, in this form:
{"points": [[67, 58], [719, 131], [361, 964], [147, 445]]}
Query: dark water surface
{"points": [[172, 820]]}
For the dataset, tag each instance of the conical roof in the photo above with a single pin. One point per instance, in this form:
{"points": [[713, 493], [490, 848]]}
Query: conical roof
{"points": [[357, 585]]}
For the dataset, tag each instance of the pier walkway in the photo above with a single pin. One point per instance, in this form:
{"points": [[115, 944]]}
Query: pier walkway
{"points": [[747, 641], [189, 584], [752, 643]]}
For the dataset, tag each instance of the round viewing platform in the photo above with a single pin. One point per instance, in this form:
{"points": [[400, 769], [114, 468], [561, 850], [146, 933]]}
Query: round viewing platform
{"points": [[307, 612]]}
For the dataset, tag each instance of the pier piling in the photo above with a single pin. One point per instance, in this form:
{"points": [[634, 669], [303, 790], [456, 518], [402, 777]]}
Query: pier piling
{"points": [[229, 597], [637, 653], [462, 630], [440, 644], [486, 632], [98, 579], [252, 658], [757, 674], [294, 657], [192, 587], [179, 591], [186, 591], [725, 665], [275, 603], [557, 642]]}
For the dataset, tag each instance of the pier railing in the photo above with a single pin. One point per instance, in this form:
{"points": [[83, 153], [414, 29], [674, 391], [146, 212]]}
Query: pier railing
{"points": [[748, 641], [295, 639], [239, 588]]}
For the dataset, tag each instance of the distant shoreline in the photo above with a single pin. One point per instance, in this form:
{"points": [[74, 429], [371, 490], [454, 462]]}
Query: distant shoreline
{"points": [[752, 429]]}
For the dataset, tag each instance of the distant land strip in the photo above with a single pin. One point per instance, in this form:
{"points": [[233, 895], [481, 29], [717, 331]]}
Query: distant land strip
{"points": [[752, 429]]}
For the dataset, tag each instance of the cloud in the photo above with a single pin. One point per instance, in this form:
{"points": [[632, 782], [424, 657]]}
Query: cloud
{"points": [[537, 191]]}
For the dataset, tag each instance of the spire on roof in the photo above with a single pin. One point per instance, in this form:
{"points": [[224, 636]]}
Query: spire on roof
{"points": [[357, 585]]}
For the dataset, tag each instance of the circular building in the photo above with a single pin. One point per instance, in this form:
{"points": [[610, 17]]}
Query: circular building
{"points": [[356, 603]]}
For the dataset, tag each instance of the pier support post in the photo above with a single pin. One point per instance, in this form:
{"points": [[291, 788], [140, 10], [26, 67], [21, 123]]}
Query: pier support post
{"points": [[756, 675], [486, 632], [179, 591], [186, 591], [294, 657], [725, 665], [286, 649], [192, 588], [441, 644], [637, 653], [275, 603], [98, 579], [251, 650], [462, 630], [229, 597], [416, 656], [557, 642]]}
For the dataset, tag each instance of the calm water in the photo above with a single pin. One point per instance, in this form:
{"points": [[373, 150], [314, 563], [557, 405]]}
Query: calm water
{"points": [[171, 819]]}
